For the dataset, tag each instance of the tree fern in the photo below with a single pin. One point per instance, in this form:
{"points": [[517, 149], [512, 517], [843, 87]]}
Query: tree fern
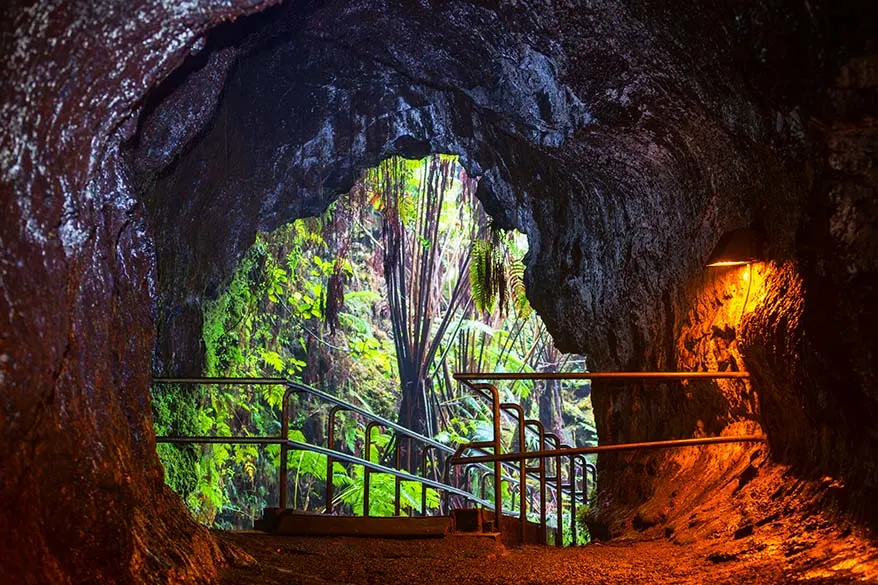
{"points": [[497, 279]]}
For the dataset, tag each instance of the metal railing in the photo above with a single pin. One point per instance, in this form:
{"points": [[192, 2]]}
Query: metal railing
{"points": [[339, 405], [331, 454], [489, 391], [487, 452]]}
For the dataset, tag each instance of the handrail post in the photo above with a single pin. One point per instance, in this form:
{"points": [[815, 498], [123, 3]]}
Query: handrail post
{"points": [[559, 505], [398, 463], [574, 528], [439, 464], [446, 473], [483, 484], [584, 481], [522, 467], [467, 478], [532, 495], [571, 477], [498, 467], [497, 446], [285, 434], [441, 472], [284, 450], [330, 444], [367, 473], [474, 485], [541, 468], [444, 504], [424, 451], [594, 475]]}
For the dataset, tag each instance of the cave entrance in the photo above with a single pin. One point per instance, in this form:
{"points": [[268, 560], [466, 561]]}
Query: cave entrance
{"points": [[378, 301], [267, 122]]}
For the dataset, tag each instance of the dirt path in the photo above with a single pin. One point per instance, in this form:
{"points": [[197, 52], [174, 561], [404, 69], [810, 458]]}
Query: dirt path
{"points": [[468, 560]]}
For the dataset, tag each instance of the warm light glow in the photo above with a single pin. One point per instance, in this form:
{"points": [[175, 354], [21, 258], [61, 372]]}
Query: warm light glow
{"points": [[730, 263], [746, 275]]}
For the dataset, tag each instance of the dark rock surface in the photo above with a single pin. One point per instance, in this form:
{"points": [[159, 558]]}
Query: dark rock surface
{"points": [[623, 137], [321, 94], [82, 497]]}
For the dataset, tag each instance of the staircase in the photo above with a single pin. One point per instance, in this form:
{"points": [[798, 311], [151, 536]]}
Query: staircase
{"points": [[462, 522], [463, 484]]}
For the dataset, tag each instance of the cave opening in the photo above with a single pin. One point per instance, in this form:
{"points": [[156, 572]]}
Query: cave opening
{"points": [[311, 301], [145, 145]]}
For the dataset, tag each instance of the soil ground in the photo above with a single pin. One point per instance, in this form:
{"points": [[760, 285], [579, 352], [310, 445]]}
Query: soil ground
{"points": [[271, 560]]}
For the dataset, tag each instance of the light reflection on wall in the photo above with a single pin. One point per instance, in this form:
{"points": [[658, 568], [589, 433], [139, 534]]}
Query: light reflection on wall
{"points": [[754, 275], [712, 324]]}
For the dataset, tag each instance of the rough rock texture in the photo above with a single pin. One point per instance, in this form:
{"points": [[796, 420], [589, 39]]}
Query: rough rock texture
{"points": [[623, 137], [319, 95], [82, 497]]}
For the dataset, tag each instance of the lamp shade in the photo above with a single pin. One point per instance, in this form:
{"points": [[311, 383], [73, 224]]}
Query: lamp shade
{"points": [[736, 248]]}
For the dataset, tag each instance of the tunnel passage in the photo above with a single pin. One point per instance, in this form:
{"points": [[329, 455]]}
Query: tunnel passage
{"points": [[623, 139]]}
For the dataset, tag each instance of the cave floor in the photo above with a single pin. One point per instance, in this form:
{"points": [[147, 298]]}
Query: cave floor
{"points": [[463, 560]]}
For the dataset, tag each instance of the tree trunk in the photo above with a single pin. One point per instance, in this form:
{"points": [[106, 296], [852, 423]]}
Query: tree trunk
{"points": [[413, 416], [551, 408]]}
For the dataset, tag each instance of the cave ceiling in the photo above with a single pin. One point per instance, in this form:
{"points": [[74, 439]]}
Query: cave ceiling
{"points": [[613, 151]]}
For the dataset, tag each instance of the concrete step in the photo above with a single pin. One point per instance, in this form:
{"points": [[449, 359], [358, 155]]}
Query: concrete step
{"points": [[463, 522], [299, 524], [481, 521]]}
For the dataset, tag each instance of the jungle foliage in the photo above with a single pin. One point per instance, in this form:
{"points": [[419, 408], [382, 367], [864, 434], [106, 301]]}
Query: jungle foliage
{"points": [[378, 301]]}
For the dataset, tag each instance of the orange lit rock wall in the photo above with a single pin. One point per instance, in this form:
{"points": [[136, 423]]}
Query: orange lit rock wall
{"points": [[664, 488]]}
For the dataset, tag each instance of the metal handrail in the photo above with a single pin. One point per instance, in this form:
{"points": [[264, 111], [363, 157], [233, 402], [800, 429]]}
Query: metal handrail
{"points": [[294, 387], [469, 379], [472, 376], [338, 405], [498, 410], [378, 468], [497, 457], [330, 454], [490, 392], [559, 506], [546, 453], [313, 392]]}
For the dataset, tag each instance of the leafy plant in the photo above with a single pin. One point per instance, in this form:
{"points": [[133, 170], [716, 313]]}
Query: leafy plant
{"points": [[378, 301]]}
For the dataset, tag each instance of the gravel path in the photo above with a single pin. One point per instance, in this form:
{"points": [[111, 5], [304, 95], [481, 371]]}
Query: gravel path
{"points": [[474, 560]]}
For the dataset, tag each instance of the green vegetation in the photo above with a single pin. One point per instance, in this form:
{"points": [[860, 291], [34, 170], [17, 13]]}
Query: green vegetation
{"points": [[378, 301]]}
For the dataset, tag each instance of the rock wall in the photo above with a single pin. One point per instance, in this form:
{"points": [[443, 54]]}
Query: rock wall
{"points": [[82, 497], [316, 95], [624, 138]]}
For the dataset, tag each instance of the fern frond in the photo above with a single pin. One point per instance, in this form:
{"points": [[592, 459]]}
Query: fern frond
{"points": [[518, 294], [483, 282]]}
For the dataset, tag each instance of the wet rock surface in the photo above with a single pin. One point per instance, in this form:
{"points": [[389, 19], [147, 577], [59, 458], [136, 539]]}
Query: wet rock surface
{"points": [[623, 137], [82, 497]]}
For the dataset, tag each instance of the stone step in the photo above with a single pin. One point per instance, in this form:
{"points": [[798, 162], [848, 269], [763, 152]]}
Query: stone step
{"points": [[300, 524], [463, 522], [481, 521]]}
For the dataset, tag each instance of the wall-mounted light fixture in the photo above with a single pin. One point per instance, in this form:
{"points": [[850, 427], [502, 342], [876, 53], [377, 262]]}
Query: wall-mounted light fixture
{"points": [[737, 248], [741, 247]]}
